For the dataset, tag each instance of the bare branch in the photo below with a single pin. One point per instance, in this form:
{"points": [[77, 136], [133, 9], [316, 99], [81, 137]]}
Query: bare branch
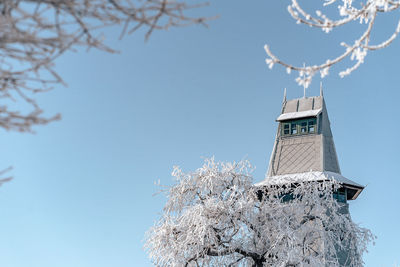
{"points": [[5, 179], [34, 33]]}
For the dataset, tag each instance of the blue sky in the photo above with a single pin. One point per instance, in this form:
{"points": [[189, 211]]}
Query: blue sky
{"points": [[83, 187]]}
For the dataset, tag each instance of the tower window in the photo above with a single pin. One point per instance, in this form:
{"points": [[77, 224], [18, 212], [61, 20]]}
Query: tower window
{"points": [[293, 128], [296, 127], [311, 126], [340, 195], [303, 127], [286, 128]]}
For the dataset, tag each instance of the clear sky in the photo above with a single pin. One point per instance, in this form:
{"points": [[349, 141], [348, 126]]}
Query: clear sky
{"points": [[83, 187]]}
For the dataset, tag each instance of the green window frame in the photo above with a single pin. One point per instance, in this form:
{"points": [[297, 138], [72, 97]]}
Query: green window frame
{"points": [[312, 125], [299, 127], [286, 129], [293, 128], [303, 127]]}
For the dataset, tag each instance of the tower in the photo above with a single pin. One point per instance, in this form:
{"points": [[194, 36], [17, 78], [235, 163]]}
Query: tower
{"points": [[304, 145], [304, 149]]}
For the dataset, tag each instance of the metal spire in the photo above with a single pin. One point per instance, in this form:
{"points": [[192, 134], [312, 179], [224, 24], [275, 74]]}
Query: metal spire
{"points": [[321, 93], [304, 84], [284, 95]]}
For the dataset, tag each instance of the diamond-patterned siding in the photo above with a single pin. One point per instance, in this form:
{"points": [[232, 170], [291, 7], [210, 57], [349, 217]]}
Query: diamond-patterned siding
{"points": [[298, 155]]}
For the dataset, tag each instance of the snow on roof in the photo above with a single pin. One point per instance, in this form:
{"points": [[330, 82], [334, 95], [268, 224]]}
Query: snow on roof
{"points": [[307, 176], [296, 115]]}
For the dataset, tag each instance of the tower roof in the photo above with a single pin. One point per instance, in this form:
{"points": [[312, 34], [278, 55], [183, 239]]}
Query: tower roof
{"points": [[304, 145], [308, 151]]}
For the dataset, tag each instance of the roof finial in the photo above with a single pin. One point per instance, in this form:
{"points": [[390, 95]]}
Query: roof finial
{"points": [[321, 93], [304, 84], [284, 95]]}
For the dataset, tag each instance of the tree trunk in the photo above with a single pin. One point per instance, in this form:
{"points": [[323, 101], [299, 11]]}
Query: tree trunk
{"points": [[258, 263]]}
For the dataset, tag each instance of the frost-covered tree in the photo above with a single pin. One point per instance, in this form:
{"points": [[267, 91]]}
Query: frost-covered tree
{"points": [[364, 12], [216, 216]]}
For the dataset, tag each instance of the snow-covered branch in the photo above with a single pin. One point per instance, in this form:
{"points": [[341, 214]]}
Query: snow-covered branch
{"points": [[366, 13]]}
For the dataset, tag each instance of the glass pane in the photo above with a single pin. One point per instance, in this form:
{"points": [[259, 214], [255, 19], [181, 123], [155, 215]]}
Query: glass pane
{"points": [[285, 128], [303, 128], [311, 128], [293, 128], [287, 197], [340, 197]]}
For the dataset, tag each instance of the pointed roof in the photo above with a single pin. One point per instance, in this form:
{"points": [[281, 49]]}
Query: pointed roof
{"points": [[303, 153]]}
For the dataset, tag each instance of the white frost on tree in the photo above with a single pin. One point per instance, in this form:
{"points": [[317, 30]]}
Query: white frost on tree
{"points": [[366, 13], [215, 216]]}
